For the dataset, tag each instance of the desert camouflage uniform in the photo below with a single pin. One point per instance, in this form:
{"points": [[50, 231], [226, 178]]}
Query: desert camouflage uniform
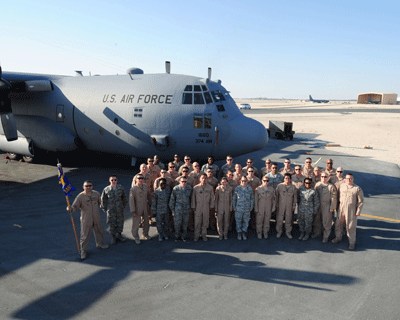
{"points": [[308, 200], [160, 208], [242, 203], [114, 202], [180, 204], [274, 179]]}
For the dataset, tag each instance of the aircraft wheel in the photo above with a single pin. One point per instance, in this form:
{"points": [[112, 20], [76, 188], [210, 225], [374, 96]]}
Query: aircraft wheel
{"points": [[28, 159], [12, 155]]}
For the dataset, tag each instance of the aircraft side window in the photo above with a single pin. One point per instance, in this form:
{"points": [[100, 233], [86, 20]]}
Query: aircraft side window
{"points": [[208, 98], [198, 121], [198, 98], [197, 88], [187, 98], [218, 96], [207, 120], [188, 88]]}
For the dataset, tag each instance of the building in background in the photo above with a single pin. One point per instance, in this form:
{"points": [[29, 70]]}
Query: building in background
{"points": [[377, 98]]}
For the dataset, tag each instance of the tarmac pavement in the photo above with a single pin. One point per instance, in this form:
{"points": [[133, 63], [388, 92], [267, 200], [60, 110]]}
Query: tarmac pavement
{"points": [[42, 277]]}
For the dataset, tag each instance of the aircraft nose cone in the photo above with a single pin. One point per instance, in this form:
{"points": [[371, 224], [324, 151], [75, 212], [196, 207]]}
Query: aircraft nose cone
{"points": [[248, 134]]}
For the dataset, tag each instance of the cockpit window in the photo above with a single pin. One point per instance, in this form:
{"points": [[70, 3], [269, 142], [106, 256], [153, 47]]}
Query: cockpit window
{"points": [[198, 98], [204, 87], [188, 88], [198, 121], [208, 98], [187, 98], [207, 120], [218, 96], [197, 88]]}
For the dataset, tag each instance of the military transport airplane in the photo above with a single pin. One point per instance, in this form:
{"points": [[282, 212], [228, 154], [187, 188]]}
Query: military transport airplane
{"points": [[136, 115], [318, 101]]}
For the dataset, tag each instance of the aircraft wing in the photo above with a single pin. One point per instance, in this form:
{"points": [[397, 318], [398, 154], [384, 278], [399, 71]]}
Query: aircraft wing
{"points": [[18, 82]]}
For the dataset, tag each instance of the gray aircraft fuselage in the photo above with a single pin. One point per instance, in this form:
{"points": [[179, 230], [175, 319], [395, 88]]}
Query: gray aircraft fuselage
{"points": [[137, 115]]}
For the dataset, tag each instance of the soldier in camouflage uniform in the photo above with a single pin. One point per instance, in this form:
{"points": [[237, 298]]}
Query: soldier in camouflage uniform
{"points": [[179, 204], [159, 208], [242, 203], [114, 202], [308, 200]]}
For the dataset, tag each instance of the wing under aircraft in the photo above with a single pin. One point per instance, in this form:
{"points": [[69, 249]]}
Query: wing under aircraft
{"points": [[136, 115]]}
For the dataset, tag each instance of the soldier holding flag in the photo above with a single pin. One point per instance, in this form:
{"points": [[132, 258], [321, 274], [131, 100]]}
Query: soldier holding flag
{"points": [[88, 202]]}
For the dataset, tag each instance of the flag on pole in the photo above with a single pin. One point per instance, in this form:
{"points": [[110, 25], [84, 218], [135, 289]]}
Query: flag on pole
{"points": [[63, 181]]}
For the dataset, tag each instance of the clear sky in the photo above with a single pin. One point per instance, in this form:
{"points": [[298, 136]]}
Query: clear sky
{"points": [[273, 49]]}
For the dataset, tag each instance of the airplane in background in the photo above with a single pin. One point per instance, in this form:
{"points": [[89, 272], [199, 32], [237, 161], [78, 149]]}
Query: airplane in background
{"points": [[136, 115], [318, 101]]}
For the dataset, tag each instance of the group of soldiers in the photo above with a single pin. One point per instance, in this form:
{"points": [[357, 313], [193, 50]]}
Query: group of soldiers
{"points": [[208, 196]]}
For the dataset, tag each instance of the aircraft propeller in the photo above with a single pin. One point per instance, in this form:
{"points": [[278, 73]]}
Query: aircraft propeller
{"points": [[7, 117]]}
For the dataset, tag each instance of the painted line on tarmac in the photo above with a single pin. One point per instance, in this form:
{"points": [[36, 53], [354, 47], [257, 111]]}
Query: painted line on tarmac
{"points": [[380, 218]]}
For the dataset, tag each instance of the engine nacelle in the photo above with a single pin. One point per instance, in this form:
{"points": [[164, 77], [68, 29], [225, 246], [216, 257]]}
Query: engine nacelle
{"points": [[21, 146]]}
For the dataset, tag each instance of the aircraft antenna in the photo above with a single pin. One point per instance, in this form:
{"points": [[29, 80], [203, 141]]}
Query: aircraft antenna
{"points": [[167, 67], [209, 73]]}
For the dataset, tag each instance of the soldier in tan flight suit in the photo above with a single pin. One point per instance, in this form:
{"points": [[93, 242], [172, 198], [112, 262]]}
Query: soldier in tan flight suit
{"points": [[250, 165], [164, 175], [267, 168], [202, 201], [172, 172], [351, 200], [316, 176], [329, 168], [307, 169], [213, 182], [233, 184], [328, 203], [238, 174], [138, 207], [88, 202], [298, 177], [286, 167], [264, 205], [223, 208], [195, 174], [188, 163], [286, 199]]}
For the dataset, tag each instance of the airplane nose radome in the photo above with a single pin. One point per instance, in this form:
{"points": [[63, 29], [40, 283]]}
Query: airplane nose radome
{"points": [[248, 134]]}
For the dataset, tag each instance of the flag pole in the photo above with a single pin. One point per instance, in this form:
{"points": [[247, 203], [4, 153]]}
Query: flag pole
{"points": [[67, 187], [73, 226]]}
